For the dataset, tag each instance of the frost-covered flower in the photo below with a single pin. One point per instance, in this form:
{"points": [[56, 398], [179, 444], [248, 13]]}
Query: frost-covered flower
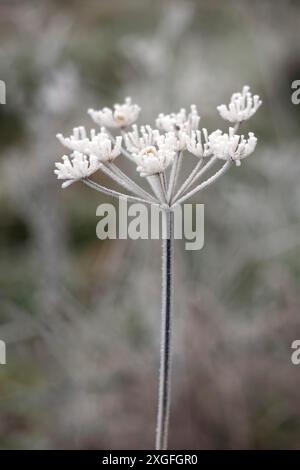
{"points": [[231, 146], [179, 121], [78, 141], [196, 145], [154, 159], [241, 107], [102, 147], [123, 115], [153, 151], [180, 139], [97, 144], [75, 168], [138, 139]]}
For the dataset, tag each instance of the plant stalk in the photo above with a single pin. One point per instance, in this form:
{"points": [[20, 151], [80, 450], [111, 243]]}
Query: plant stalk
{"points": [[164, 393]]}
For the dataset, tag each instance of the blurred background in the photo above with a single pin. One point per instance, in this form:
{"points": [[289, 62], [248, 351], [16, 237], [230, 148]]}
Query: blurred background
{"points": [[80, 316]]}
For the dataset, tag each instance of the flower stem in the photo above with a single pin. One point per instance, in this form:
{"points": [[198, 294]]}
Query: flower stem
{"points": [[205, 183], [174, 174], [137, 189], [189, 181], [194, 176], [166, 328], [110, 192]]}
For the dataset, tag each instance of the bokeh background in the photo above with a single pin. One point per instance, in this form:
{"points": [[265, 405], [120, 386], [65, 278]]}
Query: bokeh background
{"points": [[81, 316]]}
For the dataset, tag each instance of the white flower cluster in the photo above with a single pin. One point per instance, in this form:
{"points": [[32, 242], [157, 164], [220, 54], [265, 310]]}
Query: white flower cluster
{"points": [[154, 159], [179, 121], [196, 146], [97, 148], [242, 106], [75, 168], [123, 115], [231, 145], [137, 140], [151, 151], [99, 145], [155, 150]]}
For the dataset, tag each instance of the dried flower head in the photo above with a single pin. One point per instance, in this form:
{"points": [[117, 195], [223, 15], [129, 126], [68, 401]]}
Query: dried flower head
{"points": [[78, 141], [242, 106], [98, 144], [231, 146], [138, 139], [123, 115], [179, 121], [154, 159], [196, 145], [155, 151], [75, 168]]}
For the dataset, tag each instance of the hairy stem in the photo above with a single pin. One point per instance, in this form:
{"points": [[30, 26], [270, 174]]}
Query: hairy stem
{"points": [[164, 393]]}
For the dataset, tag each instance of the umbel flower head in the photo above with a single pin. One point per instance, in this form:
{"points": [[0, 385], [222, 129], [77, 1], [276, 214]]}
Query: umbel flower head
{"points": [[75, 168], [154, 159], [137, 139], [99, 145], [158, 152], [123, 115], [78, 141], [242, 106], [196, 145], [179, 121], [231, 146]]}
